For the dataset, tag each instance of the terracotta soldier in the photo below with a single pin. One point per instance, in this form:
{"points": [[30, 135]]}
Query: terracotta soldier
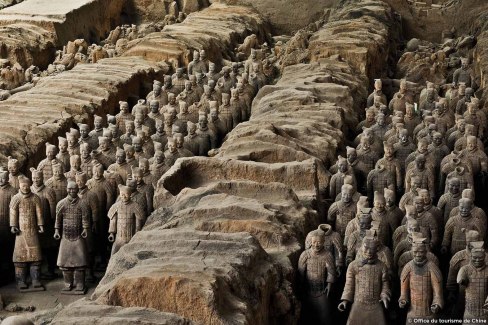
{"points": [[421, 284], [454, 239], [146, 189], [75, 167], [394, 215], [85, 137], [461, 105], [182, 118], [332, 243], [191, 140], [407, 198], [205, 137], [58, 182], [367, 158], [106, 152], [92, 204], [63, 154], [180, 145], [137, 145], [160, 135], [45, 166], [317, 274], [196, 66], [104, 191], [403, 148], [379, 179], [216, 125], [123, 116], [443, 118], [460, 168], [73, 144], [368, 122], [97, 129], [378, 85], [120, 166], [450, 199], [154, 112], [428, 225], [48, 203], [238, 109], [343, 211], [384, 253], [130, 132], [367, 287], [476, 155], [72, 225], [474, 277], [457, 261], [27, 222], [411, 120], [430, 208], [353, 225], [140, 108], [477, 212], [401, 233], [392, 164], [130, 155], [380, 127], [147, 176], [337, 180], [13, 167], [158, 166], [355, 194], [86, 159], [423, 173], [179, 80], [463, 74], [188, 95], [6, 239], [225, 113], [156, 94], [126, 218], [167, 89], [355, 240]]}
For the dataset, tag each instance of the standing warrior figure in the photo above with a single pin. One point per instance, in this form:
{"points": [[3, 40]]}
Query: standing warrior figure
{"points": [[46, 165], [13, 167], [26, 222], [421, 283], [72, 222], [474, 277], [367, 286], [126, 218], [317, 274], [7, 192]]}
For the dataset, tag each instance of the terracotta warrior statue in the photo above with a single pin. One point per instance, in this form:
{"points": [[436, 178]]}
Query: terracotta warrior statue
{"points": [[126, 218], [45, 166], [355, 240], [58, 182], [317, 274], [474, 278], [454, 239], [450, 199], [6, 239], [71, 227], [337, 180], [379, 179], [48, 203], [425, 174], [367, 287], [63, 154], [13, 167], [394, 214], [120, 166], [460, 259], [26, 223], [421, 284], [343, 211]]}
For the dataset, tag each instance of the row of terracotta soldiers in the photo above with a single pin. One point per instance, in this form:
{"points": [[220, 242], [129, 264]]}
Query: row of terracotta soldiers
{"points": [[112, 171], [404, 210]]}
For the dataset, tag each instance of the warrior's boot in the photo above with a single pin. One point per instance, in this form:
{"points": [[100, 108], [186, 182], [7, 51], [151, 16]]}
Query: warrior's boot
{"points": [[68, 280], [20, 276], [80, 280], [35, 273]]}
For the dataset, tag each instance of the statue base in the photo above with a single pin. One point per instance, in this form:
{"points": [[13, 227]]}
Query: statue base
{"points": [[32, 289]]}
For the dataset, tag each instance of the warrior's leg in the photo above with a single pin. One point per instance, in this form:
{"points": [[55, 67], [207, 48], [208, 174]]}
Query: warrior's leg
{"points": [[35, 273], [79, 280], [68, 278], [21, 275]]}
